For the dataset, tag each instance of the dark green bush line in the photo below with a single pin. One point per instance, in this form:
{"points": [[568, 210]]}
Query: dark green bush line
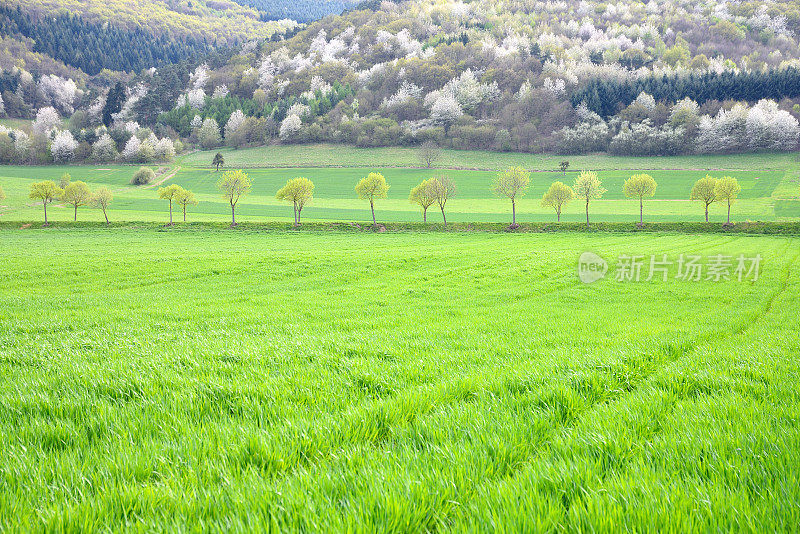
{"points": [[765, 228]]}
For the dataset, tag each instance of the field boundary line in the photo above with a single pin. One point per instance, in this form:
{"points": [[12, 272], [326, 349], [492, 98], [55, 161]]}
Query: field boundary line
{"points": [[481, 169]]}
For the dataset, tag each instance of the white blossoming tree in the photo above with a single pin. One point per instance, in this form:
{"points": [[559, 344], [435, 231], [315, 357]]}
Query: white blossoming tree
{"points": [[131, 151], [104, 149], [290, 128], [446, 110], [164, 149], [46, 120], [63, 147]]}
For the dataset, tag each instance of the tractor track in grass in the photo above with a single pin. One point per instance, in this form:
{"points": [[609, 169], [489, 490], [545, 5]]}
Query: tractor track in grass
{"points": [[684, 351], [167, 176], [383, 406], [625, 377], [456, 427]]}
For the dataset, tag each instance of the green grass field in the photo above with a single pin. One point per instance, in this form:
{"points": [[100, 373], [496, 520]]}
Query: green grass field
{"points": [[770, 186], [406, 382]]}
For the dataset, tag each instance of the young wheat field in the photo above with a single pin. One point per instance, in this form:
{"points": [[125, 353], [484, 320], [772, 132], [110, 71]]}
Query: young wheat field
{"points": [[311, 381]]}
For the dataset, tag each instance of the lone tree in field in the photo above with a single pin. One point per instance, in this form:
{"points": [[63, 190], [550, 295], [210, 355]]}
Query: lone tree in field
{"points": [[184, 198], [101, 199], [727, 189], [299, 191], [588, 187], [564, 165], [234, 185], [640, 186], [76, 194], [169, 193], [557, 197], [45, 192], [429, 153], [704, 190], [422, 195], [372, 187], [512, 183], [143, 176], [442, 188], [65, 180], [219, 161]]}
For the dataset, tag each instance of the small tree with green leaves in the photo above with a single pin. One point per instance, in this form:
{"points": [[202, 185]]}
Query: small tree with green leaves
{"points": [[101, 199], [512, 183], [185, 198], [234, 185], [727, 189], [64, 181], [557, 197], [704, 190], [219, 160], [640, 186], [564, 165], [588, 187], [169, 193], [372, 187], [422, 195], [299, 191], [76, 194], [442, 189], [45, 192]]}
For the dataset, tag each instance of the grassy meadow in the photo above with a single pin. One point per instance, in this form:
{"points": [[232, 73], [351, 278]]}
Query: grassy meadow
{"points": [[770, 186], [400, 382]]}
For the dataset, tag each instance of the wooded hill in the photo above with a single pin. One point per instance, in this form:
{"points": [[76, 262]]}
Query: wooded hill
{"points": [[571, 76]]}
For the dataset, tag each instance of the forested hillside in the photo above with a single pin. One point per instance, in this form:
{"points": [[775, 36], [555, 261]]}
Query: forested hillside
{"points": [[222, 20], [93, 47], [662, 77], [299, 10]]}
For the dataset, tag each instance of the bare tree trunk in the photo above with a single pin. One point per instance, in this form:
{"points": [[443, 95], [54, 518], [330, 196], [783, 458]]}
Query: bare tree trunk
{"points": [[75, 218], [44, 203], [706, 212], [444, 218], [184, 213], [729, 212], [641, 211], [372, 207], [587, 213], [558, 214], [106, 216], [170, 212], [513, 213], [425, 215], [233, 215]]}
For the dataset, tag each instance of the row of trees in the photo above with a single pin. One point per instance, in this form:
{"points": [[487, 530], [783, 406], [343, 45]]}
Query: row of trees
{"points": [[76, 194], [512, 183]]}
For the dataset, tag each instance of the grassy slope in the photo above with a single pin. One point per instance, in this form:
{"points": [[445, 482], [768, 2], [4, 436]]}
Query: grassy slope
{"points": [[21, 124], [324, 155], [392, 382], [769, 187]]}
